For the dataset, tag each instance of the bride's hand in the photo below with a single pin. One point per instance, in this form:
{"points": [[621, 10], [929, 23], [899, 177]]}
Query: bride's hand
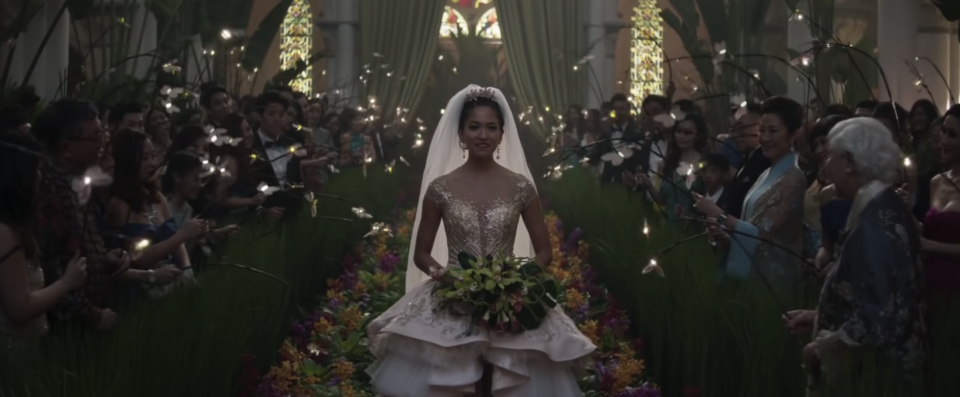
{"points": [[438, 273]]}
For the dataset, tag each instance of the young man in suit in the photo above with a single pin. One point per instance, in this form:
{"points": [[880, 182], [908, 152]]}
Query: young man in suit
{"points": [[747, 138], [624, 130], [715, 175], [273, 146]]}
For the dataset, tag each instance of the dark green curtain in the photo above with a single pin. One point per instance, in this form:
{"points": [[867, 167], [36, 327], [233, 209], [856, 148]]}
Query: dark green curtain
{"points": [[543, 40], [398, 43]]}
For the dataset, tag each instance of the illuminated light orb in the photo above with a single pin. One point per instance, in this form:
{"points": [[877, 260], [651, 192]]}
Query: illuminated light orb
{"points": [[297, 43], [452, 23], [646, 52], [488, 26]]}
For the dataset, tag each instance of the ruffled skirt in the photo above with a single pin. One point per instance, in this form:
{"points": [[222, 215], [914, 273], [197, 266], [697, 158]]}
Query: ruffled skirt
{"points": [[424, 353]]}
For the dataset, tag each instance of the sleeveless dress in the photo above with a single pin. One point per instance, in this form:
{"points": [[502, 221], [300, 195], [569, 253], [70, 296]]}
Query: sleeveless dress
{"points": [[942, 274], [422, 352]]}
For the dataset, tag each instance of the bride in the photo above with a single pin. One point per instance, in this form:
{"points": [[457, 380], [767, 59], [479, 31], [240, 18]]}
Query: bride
{"points": [[476, 196]]}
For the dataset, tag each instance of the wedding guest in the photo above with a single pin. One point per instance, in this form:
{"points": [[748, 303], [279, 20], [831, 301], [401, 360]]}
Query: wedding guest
{"points": [[356, 147], [832, 211], [157, 125], [941, 239], [140, 214], [24, 298], [71, 132], [873, 298], [624, 131], [273, 148], [922, 116], [126, 116], [715, 176], [191, 138], [216, 104], [754, 163], [237, 187], [865, 108], [772, 210]]}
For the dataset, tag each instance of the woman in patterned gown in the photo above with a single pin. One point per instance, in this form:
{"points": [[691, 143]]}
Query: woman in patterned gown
{"points": [[473, 201]]}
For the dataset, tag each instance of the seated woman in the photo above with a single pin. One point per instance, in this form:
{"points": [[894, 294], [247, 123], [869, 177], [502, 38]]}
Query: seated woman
{"points": [[873, 298], [142, 220], [772, 210], [24, 299]]}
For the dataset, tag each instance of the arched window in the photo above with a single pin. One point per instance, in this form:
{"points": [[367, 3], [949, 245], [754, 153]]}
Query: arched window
{"points": [[646, 55], [296, 44], [488, 26], [452, 23]]}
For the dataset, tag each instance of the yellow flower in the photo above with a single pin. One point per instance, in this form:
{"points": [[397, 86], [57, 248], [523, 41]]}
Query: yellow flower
{"points": [[347, 390], [404, 231], [332, 294], [574, 299], [359, 289], [343, 369], [351, 317], [583, 251], [628, 369], [589, 329], [381, 280], [322, 327]]}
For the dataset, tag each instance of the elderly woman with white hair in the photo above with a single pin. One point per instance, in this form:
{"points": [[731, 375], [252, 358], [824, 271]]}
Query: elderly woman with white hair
{"points": [[873, 299]]}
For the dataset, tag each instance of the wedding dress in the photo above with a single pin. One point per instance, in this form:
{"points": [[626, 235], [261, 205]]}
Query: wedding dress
{"points": [[423, 352]]}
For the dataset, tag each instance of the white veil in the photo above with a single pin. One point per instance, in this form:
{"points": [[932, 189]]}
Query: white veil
{"points": [[445, 156]]}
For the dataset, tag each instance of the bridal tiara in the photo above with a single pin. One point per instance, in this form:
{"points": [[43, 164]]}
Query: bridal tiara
{"points": [[478, 93]]}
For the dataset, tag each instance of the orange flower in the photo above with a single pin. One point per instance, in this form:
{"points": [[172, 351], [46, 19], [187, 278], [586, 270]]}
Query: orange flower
{"points": [[359, 289], [628, 369], [381, 280], [574, 299], [322, 327], [351, 317], [343, 369], [589, 329]]}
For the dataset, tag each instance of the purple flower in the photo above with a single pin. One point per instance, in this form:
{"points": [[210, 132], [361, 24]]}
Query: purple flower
{"points": [[334, 380], [333, 304], [389, 262], [298, 329], [573, 240]]}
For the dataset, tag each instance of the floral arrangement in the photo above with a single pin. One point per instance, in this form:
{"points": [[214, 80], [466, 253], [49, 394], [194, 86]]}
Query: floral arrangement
{"points": [[326, 353], [501, 294]]}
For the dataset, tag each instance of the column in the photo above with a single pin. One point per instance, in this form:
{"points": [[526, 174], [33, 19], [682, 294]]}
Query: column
{"points": [[143, 40], [27, 48], [953, 72], [933, 48], [56, 54], [798, 39], [194, 61], [347, 68], [595, 46], [896, 41]]}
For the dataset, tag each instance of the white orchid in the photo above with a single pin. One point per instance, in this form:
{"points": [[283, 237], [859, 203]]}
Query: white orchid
{"points": [[297, 150], [378, 228], [585, 59], [332, 169], [361, 213], [617, 156], [672, 118], [389, 166], [653, 267], [719, 55], [171, 67], [404, 161], [312, 199], [267, 189], [93, 177]]}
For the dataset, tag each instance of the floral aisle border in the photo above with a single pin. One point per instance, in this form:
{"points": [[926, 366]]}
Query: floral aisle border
{"points": [[326, 353]]}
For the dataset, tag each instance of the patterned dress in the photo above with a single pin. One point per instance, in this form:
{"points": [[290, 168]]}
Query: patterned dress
{"points": [[873, 299], [423, 352]]}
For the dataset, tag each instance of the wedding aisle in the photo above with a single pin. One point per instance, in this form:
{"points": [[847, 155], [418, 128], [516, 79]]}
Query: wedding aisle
{"points": [[326, 352]]}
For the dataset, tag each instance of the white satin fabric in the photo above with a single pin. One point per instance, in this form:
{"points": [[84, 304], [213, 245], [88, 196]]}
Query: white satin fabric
{"points": [[445, 156], [422, 353]]}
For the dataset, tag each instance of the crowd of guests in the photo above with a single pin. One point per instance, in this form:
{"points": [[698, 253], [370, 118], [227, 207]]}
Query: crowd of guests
{"points": [[863, 202], [104, 206]]}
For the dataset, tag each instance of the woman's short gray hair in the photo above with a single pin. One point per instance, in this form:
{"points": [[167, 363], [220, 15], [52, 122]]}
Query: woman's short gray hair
{"points": [[871, 146]]}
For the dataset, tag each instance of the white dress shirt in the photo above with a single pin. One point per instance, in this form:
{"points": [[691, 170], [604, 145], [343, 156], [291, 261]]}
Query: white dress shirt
{"points": [[716, 196], [278, 156]]}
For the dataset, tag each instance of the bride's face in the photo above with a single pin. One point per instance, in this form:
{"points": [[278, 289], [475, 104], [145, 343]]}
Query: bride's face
{"points": [[482, 132]]}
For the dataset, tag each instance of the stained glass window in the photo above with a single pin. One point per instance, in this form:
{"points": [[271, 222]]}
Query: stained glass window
{"points": [[296, 43], [488, 26], [452, 23], [646, 53]]}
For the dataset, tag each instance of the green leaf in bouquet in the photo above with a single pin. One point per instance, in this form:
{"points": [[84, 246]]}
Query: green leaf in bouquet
{"points": [[490, 285], [466, 260], [310, 368], [531, 269]]}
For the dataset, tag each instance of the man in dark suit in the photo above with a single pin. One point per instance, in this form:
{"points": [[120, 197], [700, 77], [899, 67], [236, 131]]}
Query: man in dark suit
{"points": [[716, 176], [273, 148], [624, 130], [747, 138]]}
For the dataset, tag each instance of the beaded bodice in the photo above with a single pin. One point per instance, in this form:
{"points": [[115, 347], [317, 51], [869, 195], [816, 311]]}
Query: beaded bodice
{"points": [[480, 217]]}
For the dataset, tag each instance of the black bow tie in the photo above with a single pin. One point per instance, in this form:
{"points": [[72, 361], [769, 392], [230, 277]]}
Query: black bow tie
{"points": [[271, 144]]}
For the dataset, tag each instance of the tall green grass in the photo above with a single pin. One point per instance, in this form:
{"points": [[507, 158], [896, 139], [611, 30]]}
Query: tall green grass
{"points": [[191, 343], [725, 338]]}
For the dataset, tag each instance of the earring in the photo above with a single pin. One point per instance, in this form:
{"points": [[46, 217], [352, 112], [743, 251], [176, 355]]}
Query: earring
{"points": [[463, 147], [498, 152]]}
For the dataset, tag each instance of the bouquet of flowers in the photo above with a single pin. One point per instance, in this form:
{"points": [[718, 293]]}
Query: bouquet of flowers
{"points": [[501, 294]]}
